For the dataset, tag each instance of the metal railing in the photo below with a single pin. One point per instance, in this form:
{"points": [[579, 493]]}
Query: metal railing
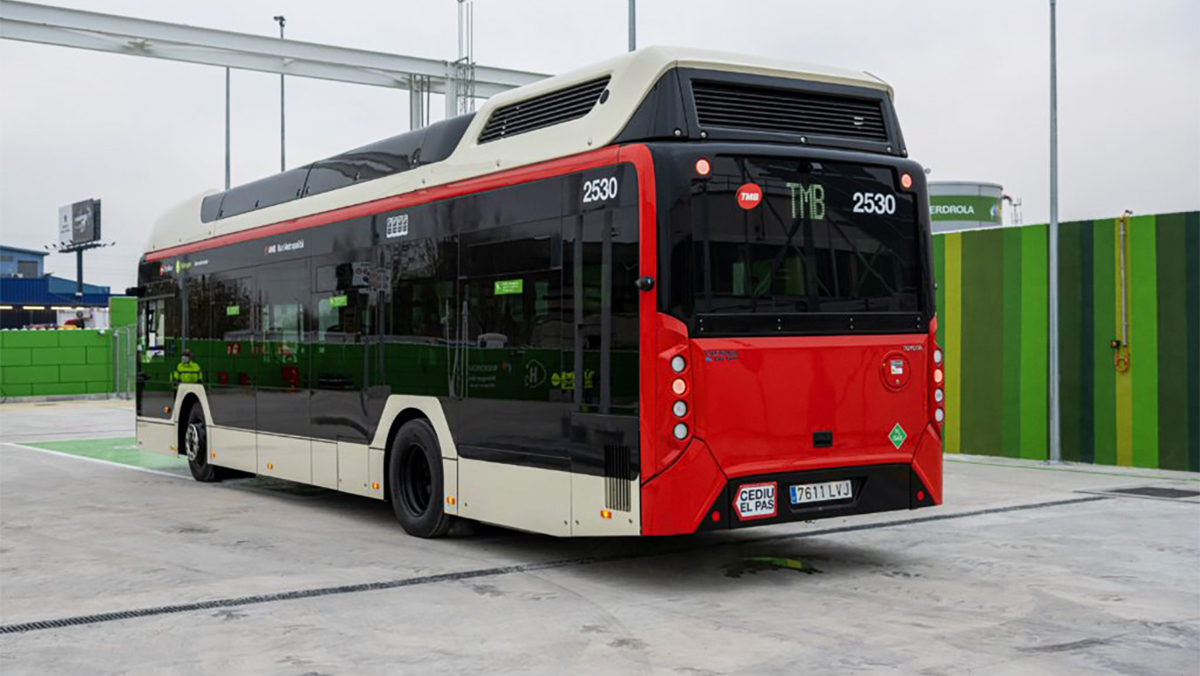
{"points": [[123, 362]]}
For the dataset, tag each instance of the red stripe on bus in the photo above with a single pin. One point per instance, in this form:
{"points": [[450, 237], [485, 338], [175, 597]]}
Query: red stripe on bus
{"points": [[601, 157]]}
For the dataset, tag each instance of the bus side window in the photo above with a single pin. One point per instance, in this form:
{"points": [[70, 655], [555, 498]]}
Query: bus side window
{"points": [[152, 329], [342, 317]]}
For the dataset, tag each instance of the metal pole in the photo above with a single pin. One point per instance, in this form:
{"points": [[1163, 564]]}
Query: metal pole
{"points": [[1055, 422], [632, 25], [282, 125], [227, 171], [79, 273]]}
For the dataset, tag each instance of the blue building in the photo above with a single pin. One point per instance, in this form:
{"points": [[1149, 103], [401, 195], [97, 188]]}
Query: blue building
{"points": [[30, 297], [17, 262]]}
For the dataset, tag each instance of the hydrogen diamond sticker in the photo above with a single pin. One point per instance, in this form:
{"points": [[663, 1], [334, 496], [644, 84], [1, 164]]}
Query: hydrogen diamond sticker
{"points": [[897, 436]]}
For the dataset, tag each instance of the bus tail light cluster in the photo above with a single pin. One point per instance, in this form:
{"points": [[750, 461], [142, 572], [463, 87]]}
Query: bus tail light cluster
{"points": [[680, 398], [937, 407]]}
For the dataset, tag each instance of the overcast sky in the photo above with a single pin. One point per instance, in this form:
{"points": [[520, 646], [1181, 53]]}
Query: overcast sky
{"points": [[971, 80]]}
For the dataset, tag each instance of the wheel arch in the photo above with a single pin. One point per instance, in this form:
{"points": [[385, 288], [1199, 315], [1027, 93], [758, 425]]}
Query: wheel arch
{"points": [[187, 397], [400, 409]]}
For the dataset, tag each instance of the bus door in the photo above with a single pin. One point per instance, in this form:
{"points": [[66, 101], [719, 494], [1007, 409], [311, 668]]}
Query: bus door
{"points": [[507, 404], [601, 366], [232, 372], [157, 349], [282, 391], [342, 368]]}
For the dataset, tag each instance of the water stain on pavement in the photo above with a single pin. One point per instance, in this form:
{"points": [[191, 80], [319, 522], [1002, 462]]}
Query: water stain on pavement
{"points": [[756, 564]]}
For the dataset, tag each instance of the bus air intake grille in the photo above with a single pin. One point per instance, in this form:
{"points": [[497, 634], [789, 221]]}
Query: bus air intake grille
{"points": [[543, 111], [721, 104], [617, 470]]}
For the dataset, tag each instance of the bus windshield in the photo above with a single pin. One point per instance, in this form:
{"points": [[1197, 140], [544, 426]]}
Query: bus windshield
{"points": [[789, 235]]}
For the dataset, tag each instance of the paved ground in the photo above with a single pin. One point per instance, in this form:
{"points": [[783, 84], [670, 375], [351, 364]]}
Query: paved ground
{"points": [[1026, 570]]}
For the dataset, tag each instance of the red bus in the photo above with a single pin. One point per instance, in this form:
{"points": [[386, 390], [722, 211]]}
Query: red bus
{"points": [[676, 291]]}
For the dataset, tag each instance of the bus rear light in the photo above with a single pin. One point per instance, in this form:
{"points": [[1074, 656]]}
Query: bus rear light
{"points": [[703, 167], [679, 387], [678, 363], [605, 514], [937, 355], [938, 395], [681, 431], [906, 181], [679, 408], [937, 376], [939, 415]]}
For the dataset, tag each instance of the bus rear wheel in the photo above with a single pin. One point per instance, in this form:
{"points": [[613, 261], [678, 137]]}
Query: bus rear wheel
{"points": [[415, 481], [195, 444]]}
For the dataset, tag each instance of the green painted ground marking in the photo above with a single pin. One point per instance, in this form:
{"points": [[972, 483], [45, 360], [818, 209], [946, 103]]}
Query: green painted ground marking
{"points": [[121, 450], [897, 435]]}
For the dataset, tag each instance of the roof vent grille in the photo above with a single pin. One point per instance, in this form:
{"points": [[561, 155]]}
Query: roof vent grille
{"points": [[721, 104], [543, 111]]}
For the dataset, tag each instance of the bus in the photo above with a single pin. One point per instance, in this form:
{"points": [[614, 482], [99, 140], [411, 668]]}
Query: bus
{"points": [[676, 291]]}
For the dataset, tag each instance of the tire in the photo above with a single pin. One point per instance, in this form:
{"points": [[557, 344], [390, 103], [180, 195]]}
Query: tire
{"points": [[195, 444], [415, 481]]}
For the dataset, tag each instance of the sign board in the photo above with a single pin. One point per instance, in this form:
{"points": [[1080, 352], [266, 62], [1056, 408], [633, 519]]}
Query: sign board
{"points": [[507, 286], [977, 208], [79, 224], [755, 501]]}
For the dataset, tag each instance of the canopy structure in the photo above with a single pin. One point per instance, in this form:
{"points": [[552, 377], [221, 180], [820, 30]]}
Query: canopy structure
{"points": [[80, 29]]}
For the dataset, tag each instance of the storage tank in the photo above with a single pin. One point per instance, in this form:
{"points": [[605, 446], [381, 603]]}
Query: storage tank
{"points": [[965, 205]]}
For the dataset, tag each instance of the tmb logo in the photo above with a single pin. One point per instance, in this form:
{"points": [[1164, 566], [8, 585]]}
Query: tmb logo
{"points": [[749, 196]]}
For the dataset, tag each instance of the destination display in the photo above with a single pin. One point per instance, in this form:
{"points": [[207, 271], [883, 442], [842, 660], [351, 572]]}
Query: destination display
{"points": [[783, 235]]}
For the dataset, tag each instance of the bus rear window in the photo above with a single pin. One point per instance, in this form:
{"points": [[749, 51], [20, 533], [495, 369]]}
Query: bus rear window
{"points": [[783, 236]]}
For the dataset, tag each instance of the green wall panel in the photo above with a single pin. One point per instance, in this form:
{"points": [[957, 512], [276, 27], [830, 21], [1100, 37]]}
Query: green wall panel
{"points": [[59, 355], [1035, 271], [1105, 327], [1170, 253], [55, 362], [46, 389], [992, 305], [1143, 339], [14, 390], [35, 339], [1010, 442], [30, 374], [982, 349], [1070, 296], [14, 356]]}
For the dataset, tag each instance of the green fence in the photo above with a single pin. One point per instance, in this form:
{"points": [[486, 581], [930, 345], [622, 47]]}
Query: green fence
{"points": [[38, 363], [1137, 406], [70, 361]]}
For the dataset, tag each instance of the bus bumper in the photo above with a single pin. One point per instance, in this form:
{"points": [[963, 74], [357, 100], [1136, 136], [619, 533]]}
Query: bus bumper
{"points": [[875, 488]]}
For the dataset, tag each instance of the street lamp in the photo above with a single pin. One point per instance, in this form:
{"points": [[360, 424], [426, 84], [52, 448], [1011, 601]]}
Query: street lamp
{"points": [[1055, 413], [281, 20]]}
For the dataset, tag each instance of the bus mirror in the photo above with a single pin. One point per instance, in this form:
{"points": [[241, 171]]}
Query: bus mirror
{"points": [[644, 283]]}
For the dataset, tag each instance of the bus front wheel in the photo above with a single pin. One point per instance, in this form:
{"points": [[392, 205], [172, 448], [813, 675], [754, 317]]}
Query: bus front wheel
{"points": [[415, 481]]}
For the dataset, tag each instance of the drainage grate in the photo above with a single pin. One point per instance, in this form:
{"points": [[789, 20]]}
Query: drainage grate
{"points": [[1157, 492]]}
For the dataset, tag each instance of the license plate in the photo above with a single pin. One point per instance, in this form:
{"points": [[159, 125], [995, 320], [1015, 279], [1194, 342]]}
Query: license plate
{"points": [[823, 492]]}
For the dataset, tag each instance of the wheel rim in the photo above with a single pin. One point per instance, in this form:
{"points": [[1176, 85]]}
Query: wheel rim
{"points": [[191, 442], [417, 481]]}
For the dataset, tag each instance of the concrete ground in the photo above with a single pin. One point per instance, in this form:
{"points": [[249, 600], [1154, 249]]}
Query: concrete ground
{"points": [[1026, 570]]}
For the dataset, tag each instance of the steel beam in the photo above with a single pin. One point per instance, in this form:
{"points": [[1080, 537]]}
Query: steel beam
{"points": [[42, 24]]}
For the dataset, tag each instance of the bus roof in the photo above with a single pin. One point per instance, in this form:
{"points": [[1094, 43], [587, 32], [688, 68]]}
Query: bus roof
{"points": [[477, 145]]}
